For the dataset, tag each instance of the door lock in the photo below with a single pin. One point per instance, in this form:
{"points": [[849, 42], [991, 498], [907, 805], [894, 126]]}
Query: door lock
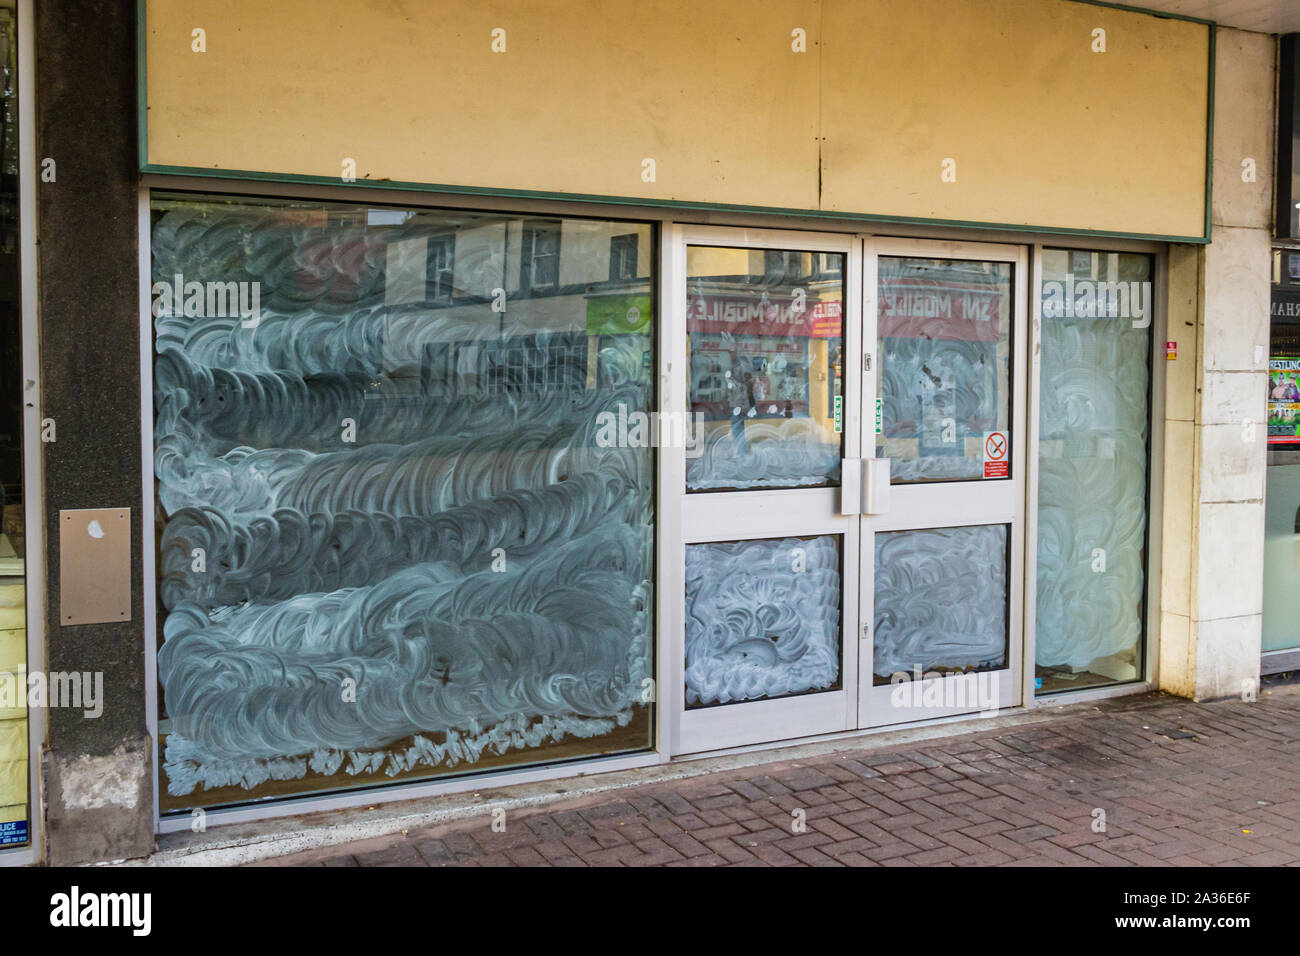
{"points": [[866, 361]]}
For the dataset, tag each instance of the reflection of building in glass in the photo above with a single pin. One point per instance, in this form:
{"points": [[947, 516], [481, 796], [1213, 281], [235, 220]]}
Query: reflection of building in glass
{"points": [[765, 334], [393, 479]]}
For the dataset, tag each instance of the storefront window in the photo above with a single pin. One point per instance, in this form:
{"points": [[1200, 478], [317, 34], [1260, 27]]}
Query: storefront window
{"points": [[1097, 310], [405, 511], [14, 748], [1281, 623]]}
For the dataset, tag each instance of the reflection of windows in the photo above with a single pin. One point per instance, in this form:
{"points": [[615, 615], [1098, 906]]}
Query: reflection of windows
{"points": [[622, 257], [781, 267], [531, 365], [826, 265], [441, 257], [787, 267], [541, 257]]}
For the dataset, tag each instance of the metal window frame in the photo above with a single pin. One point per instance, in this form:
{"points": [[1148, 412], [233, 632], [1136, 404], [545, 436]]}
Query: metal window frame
{"points": [[1149, 679], [33, 461]]}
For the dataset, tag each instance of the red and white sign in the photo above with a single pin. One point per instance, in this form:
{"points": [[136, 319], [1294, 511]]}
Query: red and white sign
{"points": [[917, 308], [997, 452], [748, 316]]}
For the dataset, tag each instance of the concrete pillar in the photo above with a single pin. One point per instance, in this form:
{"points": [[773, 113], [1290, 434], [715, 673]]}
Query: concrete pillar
{"points": [[98, 771], [1215, 416]]}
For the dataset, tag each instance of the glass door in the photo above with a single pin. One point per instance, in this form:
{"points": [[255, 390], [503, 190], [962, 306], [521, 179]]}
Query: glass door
{"points": [[941, 561], [769, 532]]}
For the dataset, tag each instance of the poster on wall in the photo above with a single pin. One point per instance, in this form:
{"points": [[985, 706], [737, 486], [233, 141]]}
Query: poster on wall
{"points": [[1283, 400]]}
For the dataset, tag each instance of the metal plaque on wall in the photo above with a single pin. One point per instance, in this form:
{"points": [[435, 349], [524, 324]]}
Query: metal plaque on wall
{"points": [[94, 566]]}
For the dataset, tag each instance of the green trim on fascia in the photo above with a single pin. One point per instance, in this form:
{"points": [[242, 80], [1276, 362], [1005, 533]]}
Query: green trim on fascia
{"points": [[392, 185], [1209, 138], [141, 85], [1162, 14]]}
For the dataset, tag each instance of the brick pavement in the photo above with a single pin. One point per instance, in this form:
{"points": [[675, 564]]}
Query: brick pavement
{"points": [[1180, 783]]}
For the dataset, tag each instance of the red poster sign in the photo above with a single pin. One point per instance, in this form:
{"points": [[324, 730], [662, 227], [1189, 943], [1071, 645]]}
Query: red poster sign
{"points": [[767, 316], [914, 307]]}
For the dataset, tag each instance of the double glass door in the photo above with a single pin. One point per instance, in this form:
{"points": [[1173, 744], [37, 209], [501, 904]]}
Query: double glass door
{"points": [[852, 521]]}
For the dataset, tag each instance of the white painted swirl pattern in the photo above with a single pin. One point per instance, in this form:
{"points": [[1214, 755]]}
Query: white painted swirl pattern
{"points": [[376, 561], [941, 599], [762, 619], [1092, 490]]}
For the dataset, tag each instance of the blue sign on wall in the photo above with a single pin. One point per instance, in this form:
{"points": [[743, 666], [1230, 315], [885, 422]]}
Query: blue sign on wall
{"points": [[15, 831]]}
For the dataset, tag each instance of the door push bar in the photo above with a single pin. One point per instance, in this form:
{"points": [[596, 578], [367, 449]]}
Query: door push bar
{"points": [[864, 486]]}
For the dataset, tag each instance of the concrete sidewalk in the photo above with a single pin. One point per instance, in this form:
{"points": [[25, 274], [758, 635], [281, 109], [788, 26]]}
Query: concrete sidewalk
{"points": [[1151, 780]]}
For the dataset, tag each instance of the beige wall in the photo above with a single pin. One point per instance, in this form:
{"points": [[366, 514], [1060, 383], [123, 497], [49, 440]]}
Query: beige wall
{"points": [[1215, 423], [1043, 131]]}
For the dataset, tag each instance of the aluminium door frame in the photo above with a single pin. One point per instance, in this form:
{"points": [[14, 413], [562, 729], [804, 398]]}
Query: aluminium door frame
{"points": [[753, 514], [1001, 498]]}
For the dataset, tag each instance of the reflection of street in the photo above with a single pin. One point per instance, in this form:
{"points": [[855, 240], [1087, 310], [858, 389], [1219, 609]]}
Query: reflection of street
{"points": [[764, 336]]}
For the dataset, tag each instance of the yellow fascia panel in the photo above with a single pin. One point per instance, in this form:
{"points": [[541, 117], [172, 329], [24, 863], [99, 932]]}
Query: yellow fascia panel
{"points": [[830, 106], [1041, 130]]}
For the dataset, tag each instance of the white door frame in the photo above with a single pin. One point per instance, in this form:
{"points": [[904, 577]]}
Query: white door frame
{"points": [[748, 515], [943, 504]]}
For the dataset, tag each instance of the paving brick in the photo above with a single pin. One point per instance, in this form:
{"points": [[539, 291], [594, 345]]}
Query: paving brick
{"points": [[1019, 796]]}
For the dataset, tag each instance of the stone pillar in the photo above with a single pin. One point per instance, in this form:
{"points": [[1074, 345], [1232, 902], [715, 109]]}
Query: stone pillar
{"points": [[98, 772], [1215, 415]]}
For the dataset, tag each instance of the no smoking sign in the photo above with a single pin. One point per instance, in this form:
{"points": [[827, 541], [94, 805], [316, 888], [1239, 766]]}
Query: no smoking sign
{"points": [[996, 455]]}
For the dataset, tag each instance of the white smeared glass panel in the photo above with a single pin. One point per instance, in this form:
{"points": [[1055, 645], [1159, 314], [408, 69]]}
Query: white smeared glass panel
{"points": [[941, 600], [1092, 484], [762, 619], [944, 327], [402, 532]]}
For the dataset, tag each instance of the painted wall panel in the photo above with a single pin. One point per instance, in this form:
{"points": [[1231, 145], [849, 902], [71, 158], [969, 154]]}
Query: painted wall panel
{"points": [[1042, 129], [585, 91], [1045, 132]]}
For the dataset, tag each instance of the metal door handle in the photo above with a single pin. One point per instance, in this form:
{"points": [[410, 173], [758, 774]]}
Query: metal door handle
{"points": [[875, 487], [851, 486]]}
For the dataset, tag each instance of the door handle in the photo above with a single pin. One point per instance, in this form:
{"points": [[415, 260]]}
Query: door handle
{"points": [[851, 486], [875, 486]]}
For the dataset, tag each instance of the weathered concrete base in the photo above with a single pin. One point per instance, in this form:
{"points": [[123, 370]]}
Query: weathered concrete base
{"points": [[101, 808]]}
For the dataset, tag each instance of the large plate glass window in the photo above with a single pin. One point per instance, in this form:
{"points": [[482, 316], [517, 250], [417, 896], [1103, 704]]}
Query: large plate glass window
{"points": [[1093, 446], [404, 493], [1281, 624]]}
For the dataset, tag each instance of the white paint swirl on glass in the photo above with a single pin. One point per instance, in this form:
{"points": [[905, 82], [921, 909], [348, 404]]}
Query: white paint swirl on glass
{"points": [[762, 619], [941, 600], [945, 342], [1092, 483], [388, 482]]}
